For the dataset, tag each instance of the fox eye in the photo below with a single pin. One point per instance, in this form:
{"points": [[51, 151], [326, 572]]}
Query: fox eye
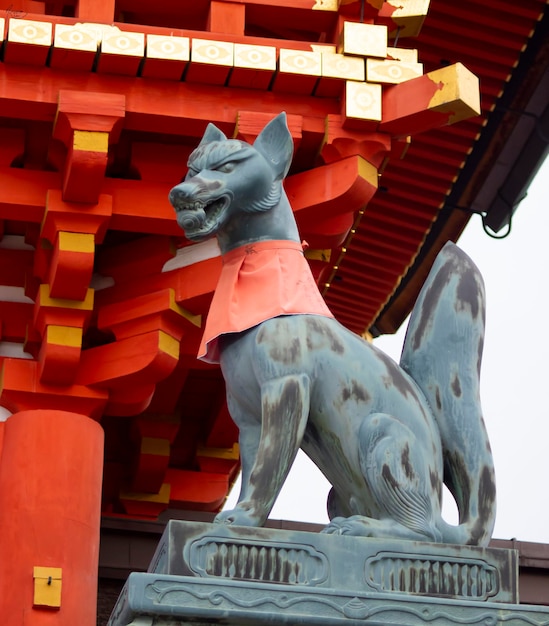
{"points": [[227, 167]]}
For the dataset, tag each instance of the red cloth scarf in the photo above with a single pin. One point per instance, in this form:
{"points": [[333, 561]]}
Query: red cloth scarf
{"points": [[259, 281]]}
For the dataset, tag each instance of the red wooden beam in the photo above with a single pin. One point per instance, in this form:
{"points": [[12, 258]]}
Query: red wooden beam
{"points": [[436, 99], [156, 106], [23, 390]]}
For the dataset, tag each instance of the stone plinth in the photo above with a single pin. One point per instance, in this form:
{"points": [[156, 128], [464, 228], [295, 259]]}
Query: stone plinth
{"points": [[204, 574]]}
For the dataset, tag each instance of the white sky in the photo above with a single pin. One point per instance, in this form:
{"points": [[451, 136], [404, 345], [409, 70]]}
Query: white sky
{"points": [[514, 379]]}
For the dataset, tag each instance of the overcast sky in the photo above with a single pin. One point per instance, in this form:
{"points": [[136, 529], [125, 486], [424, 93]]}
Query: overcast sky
{"points": [[514, 383]]}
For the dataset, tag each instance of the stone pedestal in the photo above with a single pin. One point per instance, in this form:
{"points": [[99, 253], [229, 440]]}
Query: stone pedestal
{"points": [[211, 574]]}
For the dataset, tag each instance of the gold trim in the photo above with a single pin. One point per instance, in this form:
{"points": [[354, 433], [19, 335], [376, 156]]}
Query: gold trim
{"points": [[458, 92], [168, 345], [69, 336], [92, 141]]}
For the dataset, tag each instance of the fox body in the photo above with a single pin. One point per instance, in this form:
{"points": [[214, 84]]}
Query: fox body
{"points": [[386, 436]]}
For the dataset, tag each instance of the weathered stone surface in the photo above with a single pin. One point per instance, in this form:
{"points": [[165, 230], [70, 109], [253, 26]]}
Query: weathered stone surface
{"points": [[320, 561], [204, 574], [386, 436]]}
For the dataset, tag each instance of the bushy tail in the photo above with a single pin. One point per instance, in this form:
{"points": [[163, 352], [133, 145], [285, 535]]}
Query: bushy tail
{"points": [[442, 352]]}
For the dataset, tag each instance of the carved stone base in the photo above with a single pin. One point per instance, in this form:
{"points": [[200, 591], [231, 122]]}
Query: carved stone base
{"points": [[204, 574]]}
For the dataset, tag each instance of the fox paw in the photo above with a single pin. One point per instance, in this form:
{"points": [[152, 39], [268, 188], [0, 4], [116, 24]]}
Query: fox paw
{"points": [[356, 525], [236, 517]]}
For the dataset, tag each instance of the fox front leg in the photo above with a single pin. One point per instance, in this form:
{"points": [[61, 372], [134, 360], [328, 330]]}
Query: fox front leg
{"points": [[284, 413]]}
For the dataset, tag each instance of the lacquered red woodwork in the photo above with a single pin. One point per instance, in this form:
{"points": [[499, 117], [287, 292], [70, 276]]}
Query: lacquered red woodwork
{"points": [[50, 494], [102, 301]]}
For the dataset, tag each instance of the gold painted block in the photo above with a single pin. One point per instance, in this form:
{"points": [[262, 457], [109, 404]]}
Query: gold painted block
{"points": [[315, 47], [341, 66], [255, 57], [391, 72], [363, 101], [193, 318], [162, 497], [98, 31], [458, 92], [76, 37], [212, 52], [69, 336], [231, 454], [300, 62], [30, 31], [168, 344], [172, 48], [47, 587], [326, 5], [403, 54], [123, 43], [367, 40], [82, 305], [76, 242], [318, 255], [409, 16], [91, 140], [156, 446]]}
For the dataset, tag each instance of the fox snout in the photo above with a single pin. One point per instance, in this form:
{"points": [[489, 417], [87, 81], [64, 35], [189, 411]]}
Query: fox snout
{"points": [[179, 194]]}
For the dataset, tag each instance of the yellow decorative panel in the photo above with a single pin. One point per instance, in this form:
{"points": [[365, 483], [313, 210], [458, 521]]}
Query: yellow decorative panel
{"points": [[367, 40], [162, 497], [457, 92], [341, 66], [315, 47], [403, 54], [76, 242], [363, 101], [46, 300], [76, 37], [30, 31], [388, 71], [255, 57], [326, 5], [156, 446], [64, 336], [162, 47], [231, 454], [123, 43], [212, 52], [300, 62], [408, 16], [168, 345], [92, 140], [318, 255], [47, 587]]}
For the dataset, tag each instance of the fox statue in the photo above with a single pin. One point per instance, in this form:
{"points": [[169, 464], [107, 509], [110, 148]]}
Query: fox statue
{"points": [[385, 436]]}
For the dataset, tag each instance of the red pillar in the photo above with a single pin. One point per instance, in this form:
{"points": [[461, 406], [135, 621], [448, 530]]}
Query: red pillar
{"points": [[50, 492]]}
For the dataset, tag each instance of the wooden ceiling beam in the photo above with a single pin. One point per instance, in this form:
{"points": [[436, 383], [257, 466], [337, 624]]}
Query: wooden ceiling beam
{"points": [[173, 108]]}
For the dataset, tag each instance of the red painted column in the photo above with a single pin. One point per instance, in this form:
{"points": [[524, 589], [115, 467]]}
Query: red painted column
{"points": [[50, 493]]}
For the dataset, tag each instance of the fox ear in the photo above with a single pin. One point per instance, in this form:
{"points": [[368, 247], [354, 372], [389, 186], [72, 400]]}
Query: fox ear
{"points": [[212, 133], [275, 143]]}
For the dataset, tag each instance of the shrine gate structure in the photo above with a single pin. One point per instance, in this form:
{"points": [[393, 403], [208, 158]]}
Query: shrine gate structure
{"points": [[406, 119]]}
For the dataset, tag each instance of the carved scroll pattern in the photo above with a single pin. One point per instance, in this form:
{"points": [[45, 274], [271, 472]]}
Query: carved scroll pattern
{"points": [[451, 578], [194, 600], [289, 564]]}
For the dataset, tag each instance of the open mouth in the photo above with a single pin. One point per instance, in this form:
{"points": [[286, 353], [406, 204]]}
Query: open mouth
{"points": [[200, 219]]}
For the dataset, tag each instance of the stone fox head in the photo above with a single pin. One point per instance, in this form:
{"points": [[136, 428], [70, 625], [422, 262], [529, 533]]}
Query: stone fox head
{"points": [[228, 177]]}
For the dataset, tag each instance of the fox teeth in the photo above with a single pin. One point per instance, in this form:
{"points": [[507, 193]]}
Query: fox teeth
{"points": [[192, 221], [192, 206]]}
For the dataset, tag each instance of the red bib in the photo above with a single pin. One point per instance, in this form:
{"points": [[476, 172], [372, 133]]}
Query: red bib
{"points": [[259, 281]]}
